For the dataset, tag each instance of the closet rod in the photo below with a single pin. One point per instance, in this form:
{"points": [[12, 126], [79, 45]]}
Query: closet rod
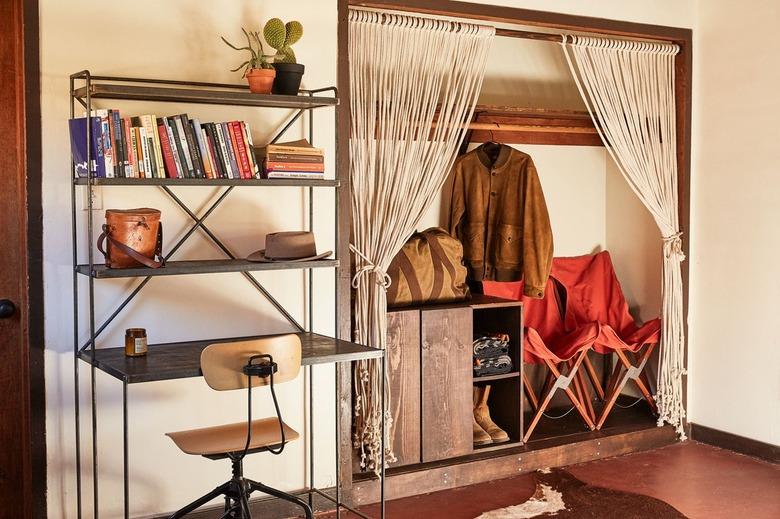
{"points": [[528, 35], [500, 127]]}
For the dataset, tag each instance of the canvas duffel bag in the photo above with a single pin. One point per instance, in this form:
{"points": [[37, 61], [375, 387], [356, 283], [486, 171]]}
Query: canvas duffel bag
{"points": [[134, 238], [428, 269]]}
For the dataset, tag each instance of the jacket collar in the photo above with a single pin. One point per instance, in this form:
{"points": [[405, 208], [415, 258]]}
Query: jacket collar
{"points": [[501, 160]]}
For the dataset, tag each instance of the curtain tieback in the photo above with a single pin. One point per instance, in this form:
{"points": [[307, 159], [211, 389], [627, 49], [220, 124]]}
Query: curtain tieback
{"points": [[382, 278], [673, 246]]}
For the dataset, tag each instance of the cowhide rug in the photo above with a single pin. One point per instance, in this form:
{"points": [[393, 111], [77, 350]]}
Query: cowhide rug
{"points": [[561, 495]]}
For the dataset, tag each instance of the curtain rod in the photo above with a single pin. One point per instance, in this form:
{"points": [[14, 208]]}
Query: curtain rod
{"points": [[507, 33]]}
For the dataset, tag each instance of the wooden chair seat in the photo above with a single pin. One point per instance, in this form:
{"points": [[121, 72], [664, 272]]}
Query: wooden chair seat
{"points": [[223, 439]]}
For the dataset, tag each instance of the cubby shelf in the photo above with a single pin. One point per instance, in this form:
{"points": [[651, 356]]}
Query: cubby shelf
{"points": [[489, 378]]}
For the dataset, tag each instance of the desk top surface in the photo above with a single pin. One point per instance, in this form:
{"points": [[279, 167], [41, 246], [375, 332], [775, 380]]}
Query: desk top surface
{"points": [[182, 359]]}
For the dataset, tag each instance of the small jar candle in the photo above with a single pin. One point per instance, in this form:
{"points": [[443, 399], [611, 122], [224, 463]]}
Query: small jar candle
{"points": [[135, 342]]}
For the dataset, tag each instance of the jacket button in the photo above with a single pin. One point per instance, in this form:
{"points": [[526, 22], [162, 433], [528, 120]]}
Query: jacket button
{"points": [[492, 193], [493, 173]]}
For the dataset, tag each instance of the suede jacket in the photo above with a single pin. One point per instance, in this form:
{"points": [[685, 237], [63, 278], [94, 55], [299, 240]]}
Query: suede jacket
{"points": [[499, 214]]}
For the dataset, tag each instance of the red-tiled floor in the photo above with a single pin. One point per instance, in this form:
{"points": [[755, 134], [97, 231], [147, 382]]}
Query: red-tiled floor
{"points": [[699, 480]]}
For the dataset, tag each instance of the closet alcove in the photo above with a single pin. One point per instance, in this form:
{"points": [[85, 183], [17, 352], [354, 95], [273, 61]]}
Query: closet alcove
{"points": [[529, 101]]}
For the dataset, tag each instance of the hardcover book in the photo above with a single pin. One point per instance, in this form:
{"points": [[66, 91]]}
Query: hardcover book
{"points": [[78, 147]]}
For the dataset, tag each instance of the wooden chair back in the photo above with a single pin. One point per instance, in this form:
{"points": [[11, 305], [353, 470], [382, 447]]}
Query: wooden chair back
{"points": [[222, 363]]}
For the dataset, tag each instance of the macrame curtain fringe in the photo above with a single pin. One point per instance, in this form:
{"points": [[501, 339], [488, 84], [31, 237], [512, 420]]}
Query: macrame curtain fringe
{"points": [[628, 88], [405, 72]]}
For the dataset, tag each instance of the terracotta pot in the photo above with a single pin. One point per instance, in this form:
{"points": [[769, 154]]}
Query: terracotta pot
{"points": [[261, 80]]}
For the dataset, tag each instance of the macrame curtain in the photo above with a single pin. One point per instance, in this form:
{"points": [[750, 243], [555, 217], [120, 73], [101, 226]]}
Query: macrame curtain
{"points": [[628, 87], [405, 73]]}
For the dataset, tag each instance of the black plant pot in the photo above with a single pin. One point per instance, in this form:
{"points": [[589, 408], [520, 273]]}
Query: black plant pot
{"points": [[288, 78]]}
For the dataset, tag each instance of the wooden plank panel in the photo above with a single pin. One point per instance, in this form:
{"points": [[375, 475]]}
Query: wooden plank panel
{"points": [[403, 357], [488, 467], [446, 383]]}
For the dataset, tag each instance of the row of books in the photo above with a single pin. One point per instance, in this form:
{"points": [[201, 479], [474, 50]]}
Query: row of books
{"points": [[147, 146], [298, 159]]}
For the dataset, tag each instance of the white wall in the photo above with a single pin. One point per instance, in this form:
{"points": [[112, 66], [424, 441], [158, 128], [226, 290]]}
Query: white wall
{"points": [[175, 40], [179, 39], [734, 384]]}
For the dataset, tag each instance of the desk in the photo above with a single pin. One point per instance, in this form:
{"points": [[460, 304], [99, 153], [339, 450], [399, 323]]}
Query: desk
{"points": [[177, 360]]}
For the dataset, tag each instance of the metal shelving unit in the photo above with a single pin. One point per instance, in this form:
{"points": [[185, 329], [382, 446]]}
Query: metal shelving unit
{"points": [[181, 360]]}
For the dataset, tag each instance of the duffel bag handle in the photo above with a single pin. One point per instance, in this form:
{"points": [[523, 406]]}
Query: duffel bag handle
{"points": [[137, 256]]}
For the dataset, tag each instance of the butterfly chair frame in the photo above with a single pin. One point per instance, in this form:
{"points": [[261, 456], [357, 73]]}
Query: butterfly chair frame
{"points": [[634, 371], [561, 381], [236, 491]]}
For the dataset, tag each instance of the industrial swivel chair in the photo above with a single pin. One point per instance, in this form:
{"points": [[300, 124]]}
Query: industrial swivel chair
{"points": [[239, 365]]}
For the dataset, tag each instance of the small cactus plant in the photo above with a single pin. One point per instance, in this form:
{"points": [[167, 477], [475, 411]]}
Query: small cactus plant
{"points": [[281, 36], [257, 56]]}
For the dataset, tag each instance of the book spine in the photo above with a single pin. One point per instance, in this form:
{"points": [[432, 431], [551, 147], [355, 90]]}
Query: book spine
{"points": [[172, 124], [231, 154], [223, 148], [137, 170], [294, 166], [98, 164], [174, 147], [293, 150], [122, 161], [139, 152], [197, 165], [239, 149], [250, 150], [146, 152], [151, 129], [157, 146], [167, 152], [197, 130], [185, 150], [287, 157], [108, 150], [294, 174], [116, 156], [210, 152], [216, 150], [152, 156], [131, 158]]}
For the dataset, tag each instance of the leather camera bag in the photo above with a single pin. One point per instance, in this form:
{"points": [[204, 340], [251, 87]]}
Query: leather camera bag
{"points": [[134, 238], [428, 269]]}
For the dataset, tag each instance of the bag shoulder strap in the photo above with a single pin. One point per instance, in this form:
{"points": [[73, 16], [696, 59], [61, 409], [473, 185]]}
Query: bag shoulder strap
{"points": [[140, 258]]}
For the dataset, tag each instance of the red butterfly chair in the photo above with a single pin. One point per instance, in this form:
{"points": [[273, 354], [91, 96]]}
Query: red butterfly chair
{"points": [[594, 299], [546, 342]]}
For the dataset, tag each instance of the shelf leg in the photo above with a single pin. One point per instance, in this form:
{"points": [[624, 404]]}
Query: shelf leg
{"points": [[126, 469], [338, 441], [311, 435], [384, 432]]}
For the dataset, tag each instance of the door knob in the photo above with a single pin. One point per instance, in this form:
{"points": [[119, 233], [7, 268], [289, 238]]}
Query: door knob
{"points": [[7, 308]]}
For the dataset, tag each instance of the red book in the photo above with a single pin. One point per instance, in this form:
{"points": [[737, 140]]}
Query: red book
{"points": [[295, 166], [167, 152], [240, 149]]}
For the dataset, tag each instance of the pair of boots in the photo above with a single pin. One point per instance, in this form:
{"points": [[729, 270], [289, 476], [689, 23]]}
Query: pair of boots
{"points": [[485, 430]]}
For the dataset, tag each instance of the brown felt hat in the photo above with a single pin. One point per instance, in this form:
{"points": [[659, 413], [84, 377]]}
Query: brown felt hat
{"points": [[288, 246]]}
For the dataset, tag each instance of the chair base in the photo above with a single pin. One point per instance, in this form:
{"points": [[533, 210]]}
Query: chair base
{"points": [[236, 493]]}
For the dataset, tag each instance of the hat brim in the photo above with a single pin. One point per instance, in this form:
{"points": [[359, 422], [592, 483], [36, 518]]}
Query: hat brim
{"points": [[259, 257]]}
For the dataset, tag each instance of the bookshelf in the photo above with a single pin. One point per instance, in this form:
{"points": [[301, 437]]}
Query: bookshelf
{"points": [[181, 359]]}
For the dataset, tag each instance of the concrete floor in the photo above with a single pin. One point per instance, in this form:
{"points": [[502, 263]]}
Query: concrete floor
{"points": [[699, 480]]}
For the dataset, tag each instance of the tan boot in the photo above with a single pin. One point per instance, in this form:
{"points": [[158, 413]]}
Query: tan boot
{"points": [[481, 437], [482, 415]]}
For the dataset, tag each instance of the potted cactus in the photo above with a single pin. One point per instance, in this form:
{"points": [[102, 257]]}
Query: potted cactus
{"points": [[258, 70], [281, 36]]}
